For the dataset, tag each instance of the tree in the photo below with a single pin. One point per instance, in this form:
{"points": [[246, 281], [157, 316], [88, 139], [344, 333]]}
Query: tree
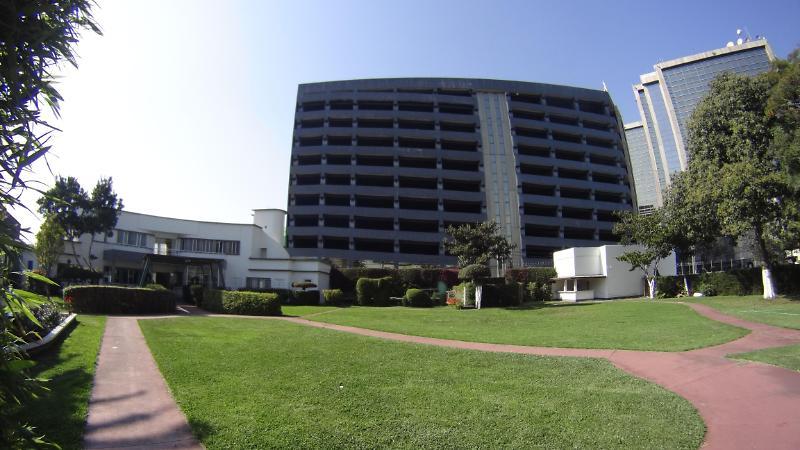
{"points": [[79, 213], [734, 167], [65, 203], [477, 243], [34, 37], [49, 244], [103, 211], [649, 232]]}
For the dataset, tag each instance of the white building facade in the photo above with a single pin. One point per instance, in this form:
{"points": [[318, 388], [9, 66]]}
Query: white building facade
{"points": [[587, 273], [173, 252]]}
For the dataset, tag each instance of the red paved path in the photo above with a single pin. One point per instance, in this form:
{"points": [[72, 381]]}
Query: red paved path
{"points": [[745, 405], [131, 406]]}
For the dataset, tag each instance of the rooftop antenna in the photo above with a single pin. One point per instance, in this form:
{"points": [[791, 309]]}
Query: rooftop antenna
{"points": [[739, 40], [605, 88]]}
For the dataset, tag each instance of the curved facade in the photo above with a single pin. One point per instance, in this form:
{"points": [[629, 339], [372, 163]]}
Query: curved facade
{"points": [[381, 167]]}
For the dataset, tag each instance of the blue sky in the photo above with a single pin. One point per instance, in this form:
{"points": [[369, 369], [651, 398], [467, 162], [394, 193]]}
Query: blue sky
{"points": [[189, 105]]}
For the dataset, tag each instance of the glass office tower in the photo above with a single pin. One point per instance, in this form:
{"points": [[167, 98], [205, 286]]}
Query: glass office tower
{"points": [[667, 97]]}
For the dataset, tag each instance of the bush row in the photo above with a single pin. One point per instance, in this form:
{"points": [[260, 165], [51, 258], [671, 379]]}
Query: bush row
{"points": [[241, 302], [375, 291], [118, 300], [346, 279], [734, 282]]}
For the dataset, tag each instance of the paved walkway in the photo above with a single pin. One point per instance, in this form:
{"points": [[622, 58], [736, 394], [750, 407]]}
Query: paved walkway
{"points": [[745, 405], [130, 406]]}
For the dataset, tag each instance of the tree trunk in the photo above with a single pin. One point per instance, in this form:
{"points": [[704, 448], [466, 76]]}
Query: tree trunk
{"points": [[686, 285], [91, 244], [75, 253], [651, 287], [770, 291]]}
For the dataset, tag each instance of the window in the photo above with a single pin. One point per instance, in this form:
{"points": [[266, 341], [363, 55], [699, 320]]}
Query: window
{"points": [[258, 283], [132, 238], [208, 246]]}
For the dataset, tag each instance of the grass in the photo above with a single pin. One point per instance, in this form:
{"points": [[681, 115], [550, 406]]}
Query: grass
{"points": [[249, 383], [781, 312], [787, 357], [632, 325], [298, 311], [60, 414]]}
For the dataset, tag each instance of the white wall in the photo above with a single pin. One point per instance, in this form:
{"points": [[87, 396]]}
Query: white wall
{"points": [[250, 262]]}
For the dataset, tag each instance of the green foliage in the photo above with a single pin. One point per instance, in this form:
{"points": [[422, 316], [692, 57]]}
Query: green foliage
{"points": [[531, 275], [742, 162], [477, 243], [333, 297], [118, 300], [241, 302], [345, 279], [417, 298], [438, 298], [538, 292], [78, 212], [652, 234], [155, 286], [670, 286], [374, 291], [501, 295], [473, 272], [305, 298], [34, 38], [49, 244]]}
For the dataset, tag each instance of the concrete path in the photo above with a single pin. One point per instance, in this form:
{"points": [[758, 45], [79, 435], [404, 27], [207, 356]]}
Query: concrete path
{"points": [[745, 405], [130, 405]]}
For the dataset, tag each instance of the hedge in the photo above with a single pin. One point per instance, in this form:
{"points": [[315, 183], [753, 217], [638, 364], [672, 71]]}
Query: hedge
{"points": [[541, 275], [417, 298], [501, 295], [473, 271], [304, 298], [118, 300], [333, 297], [241, 302], [346, 279], [374, 291]]}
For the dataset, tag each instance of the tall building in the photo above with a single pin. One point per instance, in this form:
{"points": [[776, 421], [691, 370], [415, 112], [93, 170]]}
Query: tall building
{"points": [[642, 162], [381, 167], [666, 99]]}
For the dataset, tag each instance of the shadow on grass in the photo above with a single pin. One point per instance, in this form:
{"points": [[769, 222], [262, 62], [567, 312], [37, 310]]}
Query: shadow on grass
{"points": [[201, 429], [544, 305]]}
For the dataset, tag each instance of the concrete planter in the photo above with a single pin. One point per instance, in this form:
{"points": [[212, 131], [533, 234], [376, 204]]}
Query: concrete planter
{"points": [[52, 336]]}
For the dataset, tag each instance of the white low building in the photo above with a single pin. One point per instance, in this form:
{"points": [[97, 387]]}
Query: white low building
{"points": [[175, 252], [586, 273]]}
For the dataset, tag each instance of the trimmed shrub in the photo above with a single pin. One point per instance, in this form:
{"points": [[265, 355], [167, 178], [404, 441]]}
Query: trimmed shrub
{"points": [[118, 300], [241, 302], [305, 298], [417, 298], [473, 271], [333, 297], [468, 291], [374, 291], [541, 275], [346, 279]]}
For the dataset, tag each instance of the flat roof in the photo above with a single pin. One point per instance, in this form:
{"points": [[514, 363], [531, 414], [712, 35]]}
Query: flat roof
{"points": [[713, 53], [189, 220]]}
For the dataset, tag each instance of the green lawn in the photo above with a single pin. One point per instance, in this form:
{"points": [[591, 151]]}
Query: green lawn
{"points": [[633, 325], [248, 383], [781, 312], [298, 311], [60, 414], [788, 357]]}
